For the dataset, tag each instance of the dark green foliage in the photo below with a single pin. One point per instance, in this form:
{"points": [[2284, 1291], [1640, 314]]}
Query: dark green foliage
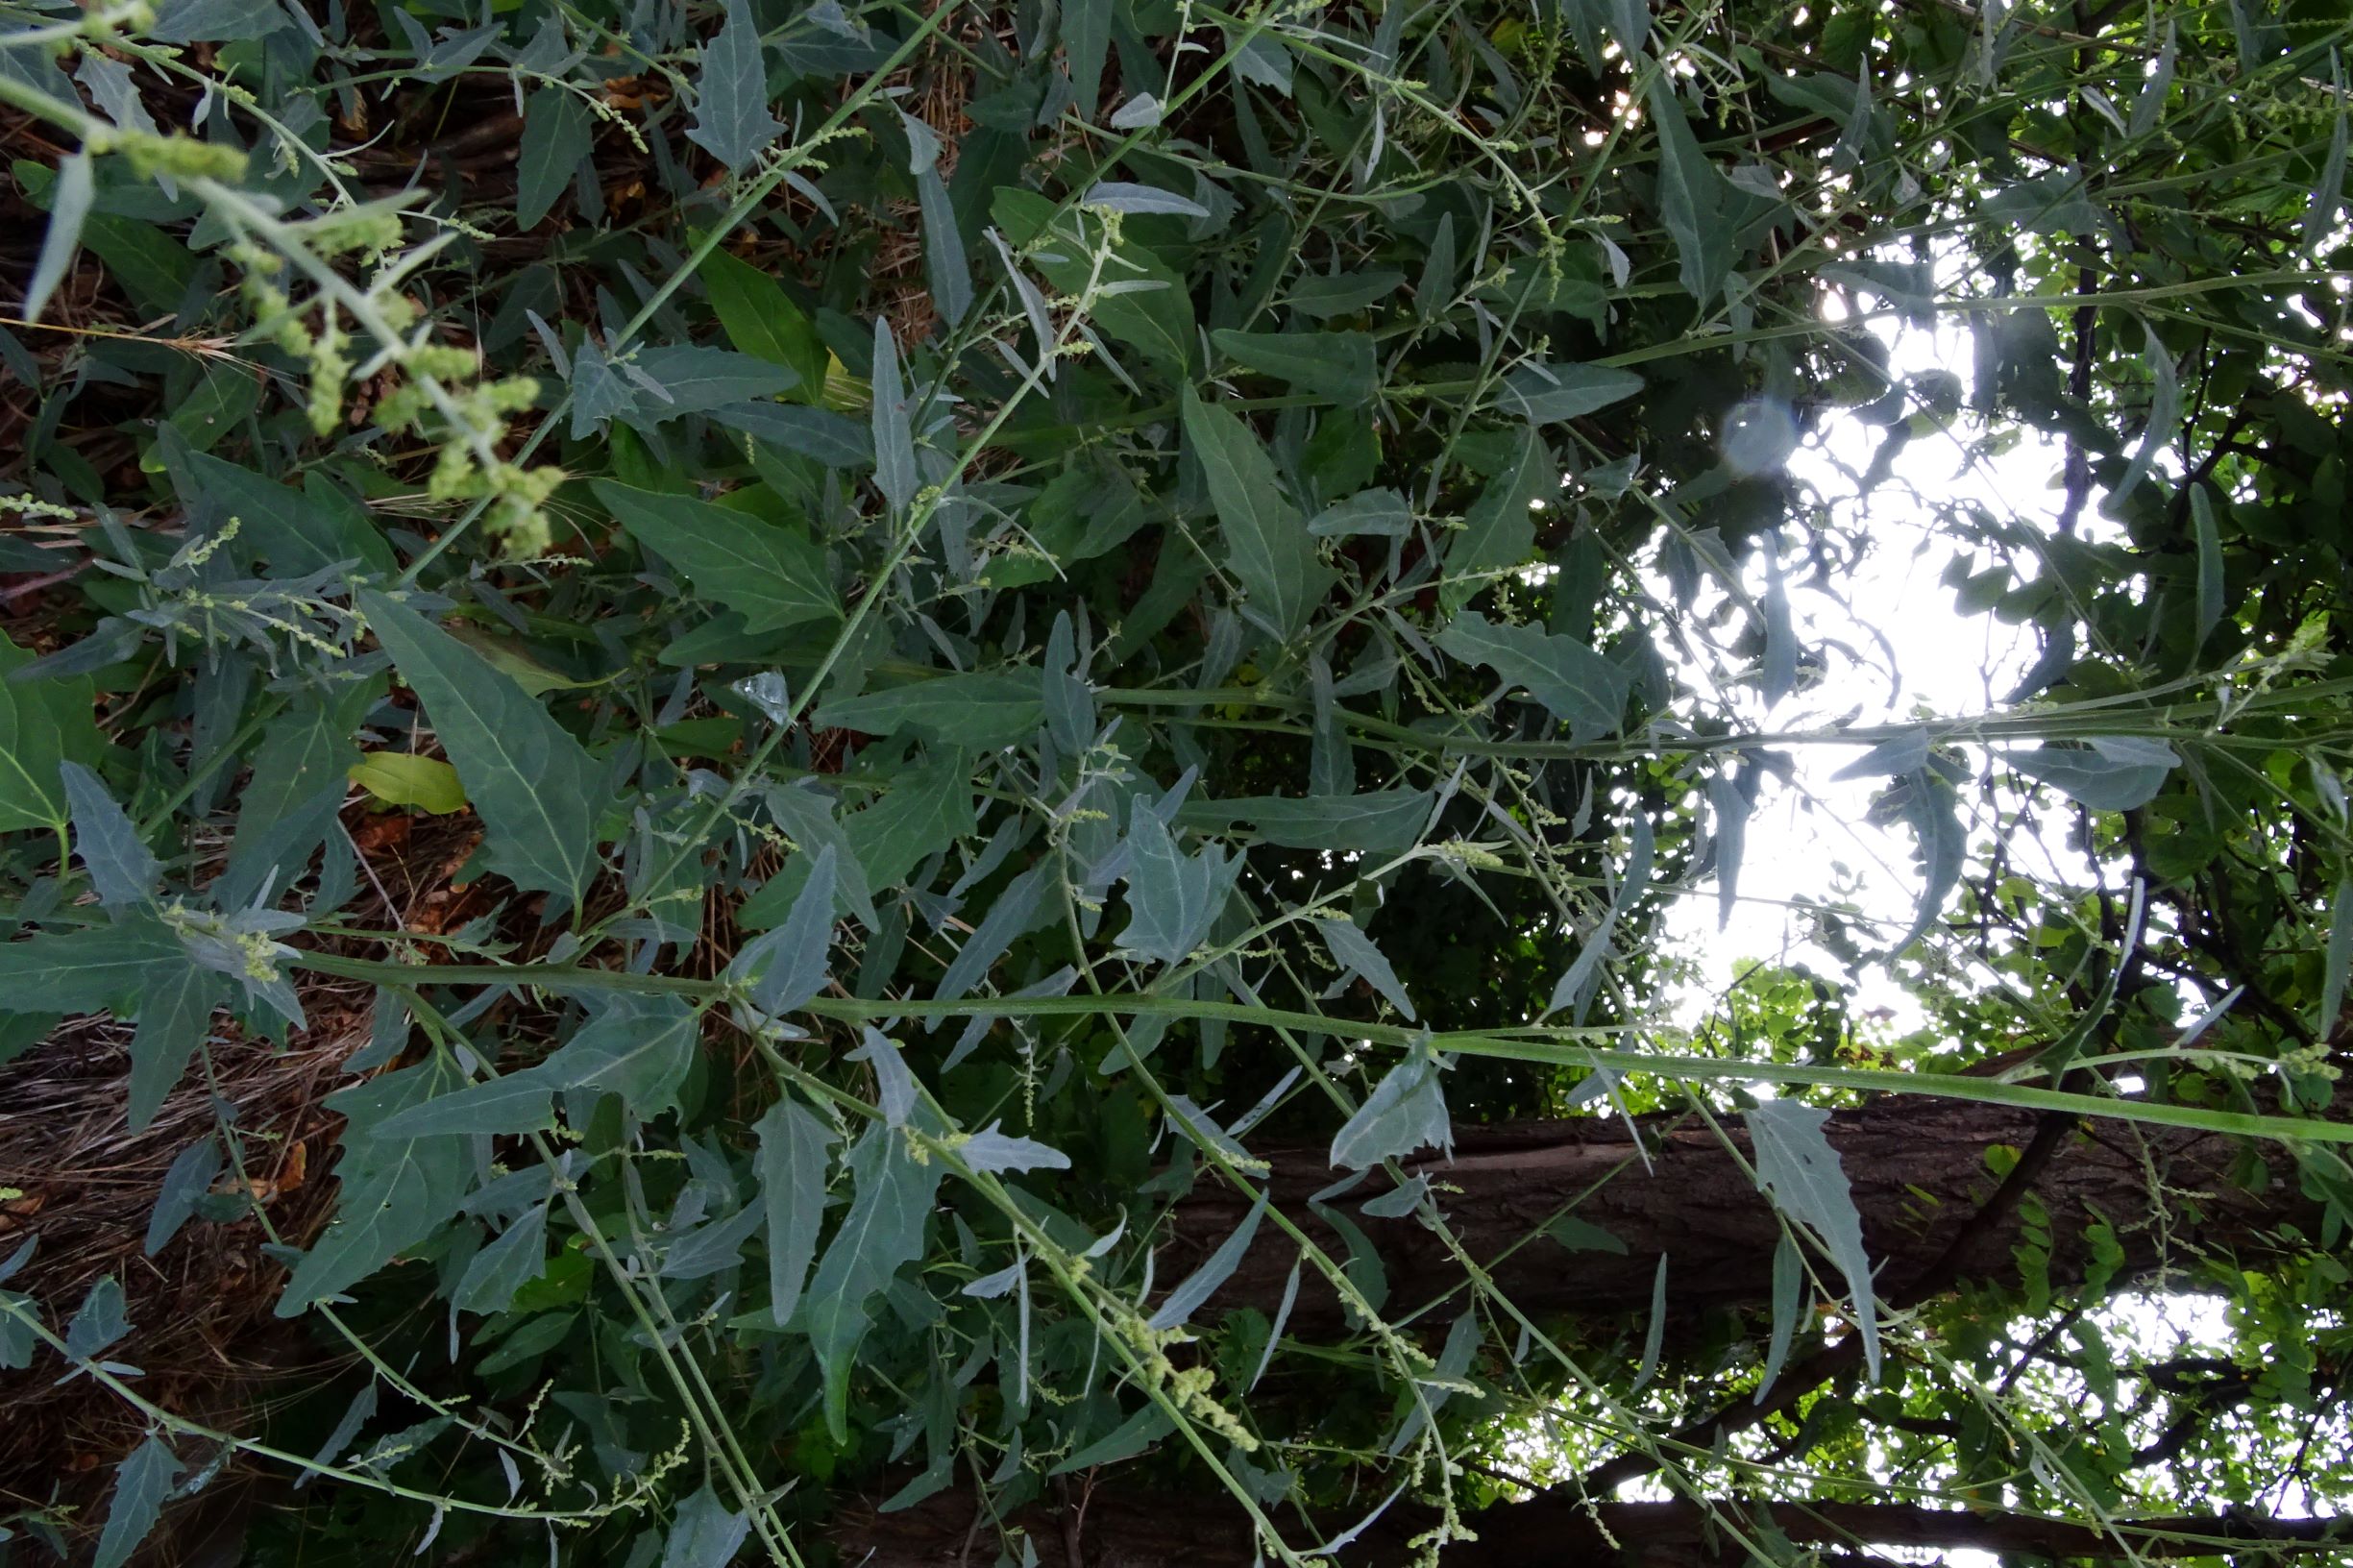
{"points": [[1030, 603]]}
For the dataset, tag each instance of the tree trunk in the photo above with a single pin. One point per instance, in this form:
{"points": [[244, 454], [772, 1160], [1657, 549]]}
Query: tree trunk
{"points": [[1916, 1166], [1119, 1528]]}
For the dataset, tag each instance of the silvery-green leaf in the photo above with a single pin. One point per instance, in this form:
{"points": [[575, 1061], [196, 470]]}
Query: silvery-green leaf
{"points": [[704, 1533], [174, 1010], [1436, 288], [1355, 950], [523, 1101], [356, 1414], [1654, 1338], [1788, 1275], [2050, 666], [1691, 200], [69, 206], [1017, 910], [1267, 546], [518, 1256], [1445, 1379], [125, 873], [141, 1484], [1802, 1173], [691, 377], [2163, 418], [188, 1178], [1927, 801], [927, 810], [1069, 700], [1583, 690], [536, 789], [1216, 1269], [1898, 754], [98, 1322], [1374, 822], [732, 118], [1583, 1236], [2096, 777], [712, 1247], [598, 393], [1262, 58], [2338, 959], [984, 708], [115, 89], [1406, 1112], [1337, 365], [794, 1154], [1086, 43], [944, 262], [1630, 23], [1172, 899], [769, 692], [2209, 605], [1381, 512], [638, 1047], [293, 532], [1399, 1202], [2213, 1015], [817, 433], [992, 1151], [1139, 113], [883, 1230], [804, 813], [2134, 750], [788, 965], [1137, 1432], [90, 970], [2156, 88], [1283, 1314], [1778, 676], [1498, 533], [1575, 988], [1120, 196], [895, 473], [1549, 394], [556, 138], [1154, 315], [2328, 191], [894, 1087], [17, 1340], [1731, 807]]}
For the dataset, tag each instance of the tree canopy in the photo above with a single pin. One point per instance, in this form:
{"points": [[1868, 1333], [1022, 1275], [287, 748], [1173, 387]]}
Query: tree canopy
{"points": [[956, 758]]}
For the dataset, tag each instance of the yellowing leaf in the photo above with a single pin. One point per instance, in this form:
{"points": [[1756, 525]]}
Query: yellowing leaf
{"points": [[400, 779]]}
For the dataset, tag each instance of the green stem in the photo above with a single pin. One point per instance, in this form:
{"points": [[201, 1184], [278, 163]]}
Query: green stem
{"points": [[20, 1311], [1556, 1047]]}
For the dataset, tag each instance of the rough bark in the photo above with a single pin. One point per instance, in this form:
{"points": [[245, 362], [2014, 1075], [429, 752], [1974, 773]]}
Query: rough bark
{"points": [[1917, 1166], [1122, 1529]]}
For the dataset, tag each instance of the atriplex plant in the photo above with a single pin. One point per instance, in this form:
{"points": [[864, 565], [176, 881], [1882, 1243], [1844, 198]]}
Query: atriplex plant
{"points": [[1062, 622]]}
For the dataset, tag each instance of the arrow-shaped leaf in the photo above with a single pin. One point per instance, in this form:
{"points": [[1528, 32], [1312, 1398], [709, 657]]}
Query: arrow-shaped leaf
{"points": [[732, 118], [1583, 690], [1268, 548], [774, 575], [537, 789]]}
